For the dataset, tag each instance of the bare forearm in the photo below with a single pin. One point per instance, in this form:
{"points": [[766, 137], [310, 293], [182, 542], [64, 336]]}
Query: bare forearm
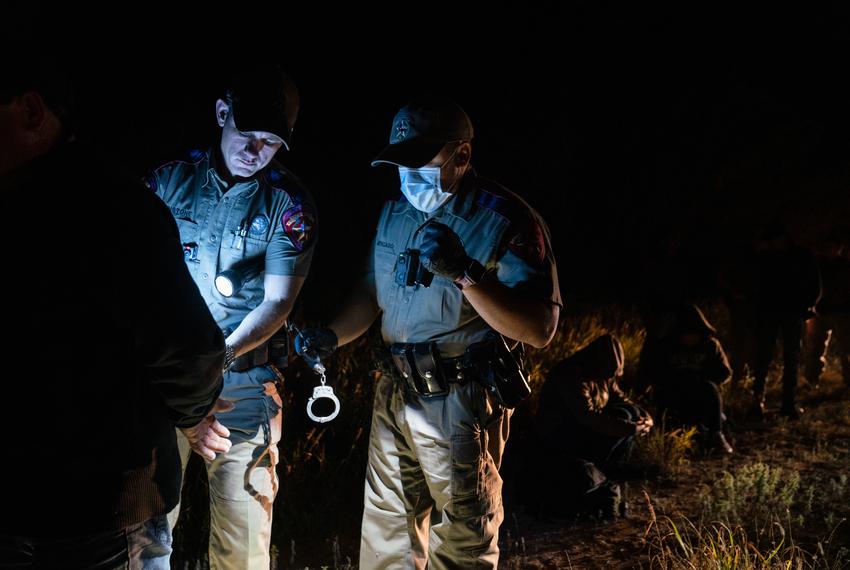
{"points": [[358, 314], [516, 316], [259, 325]]}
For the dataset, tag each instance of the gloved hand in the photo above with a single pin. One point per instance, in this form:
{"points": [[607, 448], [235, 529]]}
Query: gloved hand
{"points": [[442, 252], [315, 344]]}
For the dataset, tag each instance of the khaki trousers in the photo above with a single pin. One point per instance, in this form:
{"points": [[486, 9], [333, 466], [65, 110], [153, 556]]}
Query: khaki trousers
{"points": [[433, 492]]}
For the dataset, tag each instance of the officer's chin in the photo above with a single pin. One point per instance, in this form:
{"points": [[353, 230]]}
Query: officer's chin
{"points": [[242, 170]]}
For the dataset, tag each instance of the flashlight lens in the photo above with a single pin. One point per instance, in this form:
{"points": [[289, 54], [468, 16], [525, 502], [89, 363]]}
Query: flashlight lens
{"points": [[224, 285]]}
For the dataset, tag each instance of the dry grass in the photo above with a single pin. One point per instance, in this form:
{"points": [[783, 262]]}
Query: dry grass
{"points": [[720, 546], [668, 450]]}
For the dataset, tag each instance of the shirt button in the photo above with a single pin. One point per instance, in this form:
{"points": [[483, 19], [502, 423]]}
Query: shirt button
{"points": [[406, 300], [206, 275], [212, 238]]}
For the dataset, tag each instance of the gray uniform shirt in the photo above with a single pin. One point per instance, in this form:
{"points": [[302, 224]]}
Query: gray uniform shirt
{"points": [[497, 228], [265, 224]]}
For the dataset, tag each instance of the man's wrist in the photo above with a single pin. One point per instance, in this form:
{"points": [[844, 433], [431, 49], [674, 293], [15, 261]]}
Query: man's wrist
{"points": [[229, 357], [472, 275]]}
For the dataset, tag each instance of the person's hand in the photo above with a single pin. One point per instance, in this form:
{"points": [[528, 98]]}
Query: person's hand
{"points": [[209, 437], [643, 425], [442, 252], [313, 345]]}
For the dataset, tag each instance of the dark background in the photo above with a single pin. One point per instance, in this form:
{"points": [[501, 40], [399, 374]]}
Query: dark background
{"points": [[656, 142], [634, 131]]}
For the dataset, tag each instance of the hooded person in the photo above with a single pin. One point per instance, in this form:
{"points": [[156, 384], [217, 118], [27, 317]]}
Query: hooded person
{"points": [[685, 369], [584, 412], [585, 427]]}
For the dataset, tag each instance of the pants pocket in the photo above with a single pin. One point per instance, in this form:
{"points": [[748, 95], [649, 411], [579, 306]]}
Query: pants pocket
{"points": [[467, 471]]}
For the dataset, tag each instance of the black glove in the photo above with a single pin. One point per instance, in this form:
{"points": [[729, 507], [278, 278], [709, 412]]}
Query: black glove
{"points": [[314, 345], [442, 253]]}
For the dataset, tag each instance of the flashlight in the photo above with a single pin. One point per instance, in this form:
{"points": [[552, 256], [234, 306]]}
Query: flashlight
{"points": [[230, 281]]}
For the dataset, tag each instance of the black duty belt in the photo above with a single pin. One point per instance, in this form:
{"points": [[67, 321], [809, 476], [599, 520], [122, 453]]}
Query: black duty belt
{"points": [[426, 372], [255, 357], [273, 351], [491, 363]]}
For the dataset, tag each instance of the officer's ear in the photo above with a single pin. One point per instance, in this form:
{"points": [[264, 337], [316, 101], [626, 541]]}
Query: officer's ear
{"points": [[222, 109], [33, 111], [463, 155]]}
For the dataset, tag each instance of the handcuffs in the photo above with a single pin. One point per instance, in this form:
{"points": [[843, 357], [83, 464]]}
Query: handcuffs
{"points": [[322, 392], [319, 392]]}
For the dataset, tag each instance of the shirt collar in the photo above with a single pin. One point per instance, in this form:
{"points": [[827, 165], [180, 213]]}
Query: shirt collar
{"points": [[215, 180], [461, 204]]}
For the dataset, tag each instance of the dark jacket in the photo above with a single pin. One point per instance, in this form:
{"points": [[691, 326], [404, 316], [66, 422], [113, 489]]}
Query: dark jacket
{"points": [[667, 362], [110, 346], [580, 387]]}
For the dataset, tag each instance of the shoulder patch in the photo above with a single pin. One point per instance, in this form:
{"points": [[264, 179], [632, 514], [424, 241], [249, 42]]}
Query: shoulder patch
{"points": [[299, 224], [525, 237], [529, 243]]}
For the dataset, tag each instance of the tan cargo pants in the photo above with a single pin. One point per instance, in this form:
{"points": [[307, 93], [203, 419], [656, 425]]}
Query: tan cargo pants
{"points": [[433, 491], [243, 482]]}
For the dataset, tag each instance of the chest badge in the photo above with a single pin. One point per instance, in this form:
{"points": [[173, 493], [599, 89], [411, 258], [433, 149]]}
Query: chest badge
{"points": [[258, 225]]}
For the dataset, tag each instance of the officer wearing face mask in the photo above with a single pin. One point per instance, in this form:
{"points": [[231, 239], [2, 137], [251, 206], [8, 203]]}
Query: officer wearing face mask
{"points": [[462, 274]]}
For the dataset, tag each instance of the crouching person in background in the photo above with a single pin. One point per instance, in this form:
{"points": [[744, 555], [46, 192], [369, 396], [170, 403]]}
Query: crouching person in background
{"points": [[586, 426], [685, 369]]}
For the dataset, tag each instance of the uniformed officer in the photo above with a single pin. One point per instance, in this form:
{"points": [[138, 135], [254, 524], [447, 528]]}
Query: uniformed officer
{"points": [[457, 262], [248, 228]]}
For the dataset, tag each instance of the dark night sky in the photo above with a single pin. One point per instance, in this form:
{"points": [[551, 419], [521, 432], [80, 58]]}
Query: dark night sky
{"points": [[622, 127]]}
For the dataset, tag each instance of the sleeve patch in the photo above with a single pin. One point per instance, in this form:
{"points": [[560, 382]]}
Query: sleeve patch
{"points": [[529, 244], [299, 225]]}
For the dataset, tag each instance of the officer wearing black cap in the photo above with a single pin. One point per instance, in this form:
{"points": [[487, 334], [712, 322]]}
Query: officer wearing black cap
{"points": [[248, 229], [459, 267]]}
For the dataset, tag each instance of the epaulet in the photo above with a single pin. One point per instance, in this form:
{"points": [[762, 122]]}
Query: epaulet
{"points": [[493, 197], [282, 180], [276, 177], [193, 157]]}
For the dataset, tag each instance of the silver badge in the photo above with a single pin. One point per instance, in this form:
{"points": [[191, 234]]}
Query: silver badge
{"points": [[401, 130]]}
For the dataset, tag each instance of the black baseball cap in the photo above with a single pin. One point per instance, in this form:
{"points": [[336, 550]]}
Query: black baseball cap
{"points": [[421, 128], [264, 98]]}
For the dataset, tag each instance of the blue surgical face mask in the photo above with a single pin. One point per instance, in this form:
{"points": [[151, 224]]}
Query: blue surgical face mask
{"points": [[422, 187]]}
